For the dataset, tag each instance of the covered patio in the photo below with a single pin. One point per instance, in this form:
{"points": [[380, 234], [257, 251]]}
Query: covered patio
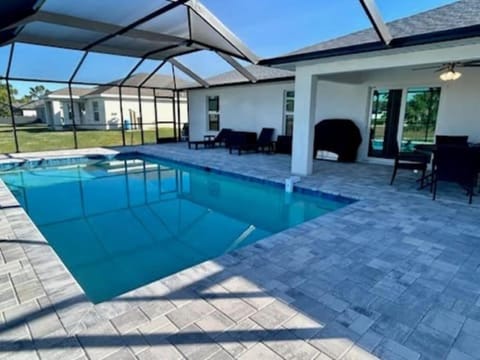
{"points": [[436, 51]]}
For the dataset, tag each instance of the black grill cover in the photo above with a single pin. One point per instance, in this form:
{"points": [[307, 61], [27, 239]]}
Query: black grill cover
{"points": [[339, 136]]}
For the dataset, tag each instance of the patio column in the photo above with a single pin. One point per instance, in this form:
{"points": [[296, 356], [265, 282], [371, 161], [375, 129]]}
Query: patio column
{"points": [[304, 115]]}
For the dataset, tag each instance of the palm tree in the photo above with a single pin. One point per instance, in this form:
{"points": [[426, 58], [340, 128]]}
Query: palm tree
{"points": [[37, 92]]}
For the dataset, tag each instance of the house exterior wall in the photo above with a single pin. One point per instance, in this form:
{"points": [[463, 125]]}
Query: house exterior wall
{"points": [[459, 112], [242, 107], [130, 105], [54, 112], [30, 113], [88, 121], [109, 112], [344, 101]]}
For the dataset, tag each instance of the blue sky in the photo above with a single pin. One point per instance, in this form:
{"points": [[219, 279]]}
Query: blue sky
{"points": [[268, 27]]}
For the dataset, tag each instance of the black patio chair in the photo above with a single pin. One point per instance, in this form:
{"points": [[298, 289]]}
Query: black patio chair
{"points": [[265, 140], [410, 161], [283, 145], [455, 164], [242, 141], [210, 141]]}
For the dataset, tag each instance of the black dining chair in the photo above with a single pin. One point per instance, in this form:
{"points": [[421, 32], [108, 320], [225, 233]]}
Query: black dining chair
{"points": [[455, 164], [410, 161]]}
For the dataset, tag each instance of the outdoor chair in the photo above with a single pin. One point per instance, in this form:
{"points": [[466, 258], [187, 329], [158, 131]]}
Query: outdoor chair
{"points": [[210, 141], [283, 145], [455, 164], [451, 140], [265, 140], [410, 161], [242, 141]]}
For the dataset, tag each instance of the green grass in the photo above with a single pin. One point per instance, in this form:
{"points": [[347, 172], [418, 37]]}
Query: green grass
{"points": [[411, 133], [41, 138]]}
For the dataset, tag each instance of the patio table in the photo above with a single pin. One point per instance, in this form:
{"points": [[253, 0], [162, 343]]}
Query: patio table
{"points": [[430, 149]]}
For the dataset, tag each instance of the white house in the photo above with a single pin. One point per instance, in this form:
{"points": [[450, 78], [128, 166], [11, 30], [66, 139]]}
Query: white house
{"points": [[99, 108], [232, 102], [377, 86]]}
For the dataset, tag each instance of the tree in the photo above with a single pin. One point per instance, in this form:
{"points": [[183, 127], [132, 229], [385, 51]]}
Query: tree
{"points": [[37, 92], [421, 113], [4, 101]]}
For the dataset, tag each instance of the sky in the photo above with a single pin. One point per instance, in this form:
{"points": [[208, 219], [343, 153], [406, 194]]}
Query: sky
{"points": [[268, 27]]}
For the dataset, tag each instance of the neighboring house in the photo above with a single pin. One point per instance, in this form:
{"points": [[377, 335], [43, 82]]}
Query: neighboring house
{"points": [[232, 102], [29, 109], [25, 113], [379, 87], [99, 108]]}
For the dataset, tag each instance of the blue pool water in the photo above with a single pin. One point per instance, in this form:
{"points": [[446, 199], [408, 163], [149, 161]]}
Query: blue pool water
{"points": [[123, 223]]}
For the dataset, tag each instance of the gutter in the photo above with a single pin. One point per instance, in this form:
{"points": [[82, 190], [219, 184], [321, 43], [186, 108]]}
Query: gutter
{"points": [[240, 83]]}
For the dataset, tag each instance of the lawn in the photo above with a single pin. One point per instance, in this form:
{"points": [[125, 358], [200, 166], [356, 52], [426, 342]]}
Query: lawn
{"points": [[41, 138]]}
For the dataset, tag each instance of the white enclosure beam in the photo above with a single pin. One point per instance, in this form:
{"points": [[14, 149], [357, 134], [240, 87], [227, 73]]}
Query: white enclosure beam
{"points": [[375, 17], [303, 131], [91, 25], [237, 66], [189, 72], [222, 30]]}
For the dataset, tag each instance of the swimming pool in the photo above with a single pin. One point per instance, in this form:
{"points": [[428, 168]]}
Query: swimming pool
{"points": [[121, 223]]}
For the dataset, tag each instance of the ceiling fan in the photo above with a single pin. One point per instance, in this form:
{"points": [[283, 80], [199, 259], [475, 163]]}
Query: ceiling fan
{"points": [[448, 70]]}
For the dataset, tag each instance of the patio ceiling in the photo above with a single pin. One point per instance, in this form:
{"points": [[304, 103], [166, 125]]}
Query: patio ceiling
{"points": [[145, 29]]}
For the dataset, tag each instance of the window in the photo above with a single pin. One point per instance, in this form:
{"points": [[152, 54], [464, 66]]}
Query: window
{"points": [[69, 109], [213, 113], [417, 126], [420, 117], [288, 112], [96, 112]]}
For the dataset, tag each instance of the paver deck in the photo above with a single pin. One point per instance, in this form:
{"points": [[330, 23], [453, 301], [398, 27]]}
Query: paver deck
{"points": [[392, 276]]}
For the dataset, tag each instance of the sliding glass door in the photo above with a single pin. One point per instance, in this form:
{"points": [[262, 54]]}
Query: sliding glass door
{"points": [[420, 117], [402, 117]]}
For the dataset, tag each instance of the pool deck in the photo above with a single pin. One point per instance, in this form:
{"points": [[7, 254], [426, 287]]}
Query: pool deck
{"points": [[392, 276]]}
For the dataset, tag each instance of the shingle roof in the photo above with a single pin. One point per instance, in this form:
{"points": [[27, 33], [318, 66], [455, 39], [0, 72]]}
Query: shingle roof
{"points": [[262, 73], [461, 14], [156, 81], [32, 105], [76, 91], [159, 81]]}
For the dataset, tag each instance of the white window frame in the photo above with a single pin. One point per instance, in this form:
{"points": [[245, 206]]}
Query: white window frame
{"points": [[286, 112], [403, 108], [96, 111], [213, 112]]}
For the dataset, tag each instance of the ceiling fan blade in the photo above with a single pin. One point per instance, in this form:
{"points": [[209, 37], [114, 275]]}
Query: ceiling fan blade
{"points": [[468, 63], [426, 68]]}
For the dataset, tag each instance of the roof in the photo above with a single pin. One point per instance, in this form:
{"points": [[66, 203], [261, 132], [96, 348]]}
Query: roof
{"points": [[163, 82], [159, 81], [76, 91], [261, 73], [158, 30], [32, 105], [450, 22]]}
